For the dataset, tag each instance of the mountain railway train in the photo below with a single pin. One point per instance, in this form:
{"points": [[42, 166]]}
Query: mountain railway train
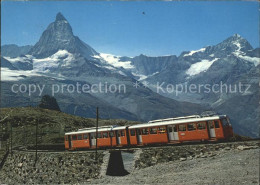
{"points": [[163, 131]]}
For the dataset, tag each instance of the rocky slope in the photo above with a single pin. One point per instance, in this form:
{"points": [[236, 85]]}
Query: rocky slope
{"points": [[51, 125], [222, 163], [226, 164], [12, 50]]}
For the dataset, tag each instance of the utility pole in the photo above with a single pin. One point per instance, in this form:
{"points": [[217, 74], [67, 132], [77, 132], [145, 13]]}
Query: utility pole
{"points": [[36, 140], [11, 139], [96, 134]]}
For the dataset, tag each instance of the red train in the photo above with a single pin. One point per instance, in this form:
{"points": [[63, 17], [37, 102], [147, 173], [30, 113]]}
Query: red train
{"points": [[171, 130]]}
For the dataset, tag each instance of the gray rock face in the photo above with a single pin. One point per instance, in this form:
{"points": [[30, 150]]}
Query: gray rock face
{"points": [[23, 63], [254, 53], [59, 36], [149, 65], [12, 50], [153, 156], [5, 63], [51, 168]]}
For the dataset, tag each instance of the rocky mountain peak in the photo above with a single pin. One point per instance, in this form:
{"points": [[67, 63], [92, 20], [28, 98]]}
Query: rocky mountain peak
{"points": [[238, 41], [235, 44], [60, 17], [59, 36]]}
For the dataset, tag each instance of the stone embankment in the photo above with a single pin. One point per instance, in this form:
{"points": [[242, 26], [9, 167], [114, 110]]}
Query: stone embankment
{"points": [[50, 168], [81, 166], [152, 156]]}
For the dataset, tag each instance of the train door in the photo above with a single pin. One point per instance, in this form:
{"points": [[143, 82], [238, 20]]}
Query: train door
{"points": [[139, 136], [211, 129], [172, 132], [69, 141], [118, 139], [175, 132], [93, 139]]}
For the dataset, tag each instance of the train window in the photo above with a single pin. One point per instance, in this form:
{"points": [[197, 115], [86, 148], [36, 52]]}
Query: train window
{"points": [[122, 133], [99, 135], [66, 138], [85, 136], [145, 131], [182, 127], [93, 135], [170, 129], [153, 130], [105, 135], [161, 130], [191, 126], [174, 128], [201, 126], [111, 134], [132, 132], [216, 124], [74, 137], [80, 137], [211, 124], [225, 122], [139, 131]]}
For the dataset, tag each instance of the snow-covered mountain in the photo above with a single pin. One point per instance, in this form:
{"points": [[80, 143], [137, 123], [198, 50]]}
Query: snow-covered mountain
{"points": [[59, 57], [59, 36]]}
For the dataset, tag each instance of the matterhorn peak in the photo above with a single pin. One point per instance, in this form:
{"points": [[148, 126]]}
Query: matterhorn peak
{"points": [[60, 17], [59, 36], [237, 35]]}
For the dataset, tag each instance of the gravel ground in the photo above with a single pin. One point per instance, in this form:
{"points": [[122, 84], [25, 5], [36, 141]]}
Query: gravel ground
{"points": [[228, 167]]}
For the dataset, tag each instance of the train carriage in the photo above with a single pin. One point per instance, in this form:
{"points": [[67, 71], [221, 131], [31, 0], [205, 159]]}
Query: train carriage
{"points": [[190, 128], [86, 138], [163, 131]]}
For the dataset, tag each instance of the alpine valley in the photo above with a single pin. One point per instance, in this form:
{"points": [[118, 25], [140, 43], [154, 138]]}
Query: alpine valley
{"points": [[61, 58]]}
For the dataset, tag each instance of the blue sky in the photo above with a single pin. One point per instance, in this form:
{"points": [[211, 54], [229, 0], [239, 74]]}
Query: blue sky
{"points": [[121, 28]]}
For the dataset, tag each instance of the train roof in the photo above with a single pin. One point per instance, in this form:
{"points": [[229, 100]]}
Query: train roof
{"points": [[100, 129], [153, 123], [174, 121]]}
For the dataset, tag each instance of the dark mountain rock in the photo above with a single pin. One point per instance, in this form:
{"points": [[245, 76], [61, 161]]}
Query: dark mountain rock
{"points": [[49, 102], [228, 46], [244, 112], [13, 50], [20, 63], [5, 63], [149, 65], [254, 53], [59, 36]]}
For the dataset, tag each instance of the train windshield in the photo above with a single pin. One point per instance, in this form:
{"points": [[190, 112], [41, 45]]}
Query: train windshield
{"points": [[226, 122]]}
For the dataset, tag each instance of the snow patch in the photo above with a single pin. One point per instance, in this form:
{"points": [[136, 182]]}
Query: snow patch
{"points": [[195, 51], [109, 67], [18, 59], [14, 75], [140, 76], [143, 77], [114, 61], [254, 60], [61, 57], [122, 73], [199, 67]]}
